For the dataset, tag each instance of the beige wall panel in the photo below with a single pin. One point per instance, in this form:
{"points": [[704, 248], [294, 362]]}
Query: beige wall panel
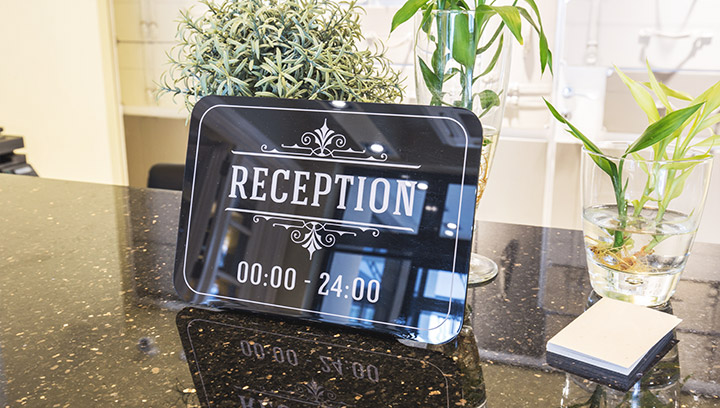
{"points": [[58, 89], [515, 186], [151, 141]]}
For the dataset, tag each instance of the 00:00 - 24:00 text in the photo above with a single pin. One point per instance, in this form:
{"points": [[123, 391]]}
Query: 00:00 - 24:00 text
{"points": [[286, 278]]}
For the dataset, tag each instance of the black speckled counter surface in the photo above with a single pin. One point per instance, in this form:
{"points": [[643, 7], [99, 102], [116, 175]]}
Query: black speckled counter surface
{"points": [[90, 318]]}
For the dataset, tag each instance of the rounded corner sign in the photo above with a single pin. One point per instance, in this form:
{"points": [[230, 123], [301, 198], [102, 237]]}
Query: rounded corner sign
{"points": [[350, 213]]}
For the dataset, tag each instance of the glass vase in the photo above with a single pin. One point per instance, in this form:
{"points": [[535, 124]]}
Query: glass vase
{"points": [[461, 63], [637, 250]]}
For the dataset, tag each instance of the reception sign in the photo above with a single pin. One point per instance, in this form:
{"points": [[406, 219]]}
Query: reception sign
{"points": [[350, 213]]}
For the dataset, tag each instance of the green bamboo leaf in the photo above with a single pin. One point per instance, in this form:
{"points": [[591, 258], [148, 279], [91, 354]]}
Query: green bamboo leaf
{"points": [[606, 165], [488, 99], [709, 142], [482, 16], [678, 184], [494, 59], [461, 5], [451, 74], [545, 54], [713, 100], [435, 60], [573, 130], [431, 80], [535, 8], [406, 12], [492, 39], [663, 128], [509, 15], [655, 86], [524, 13], [708, 122], [463, 49], [642, 97], [685, 163], [671, 92], [426, 19]]}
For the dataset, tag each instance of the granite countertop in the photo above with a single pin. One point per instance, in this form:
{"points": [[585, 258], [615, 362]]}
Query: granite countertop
{"points": [[90, 318]]}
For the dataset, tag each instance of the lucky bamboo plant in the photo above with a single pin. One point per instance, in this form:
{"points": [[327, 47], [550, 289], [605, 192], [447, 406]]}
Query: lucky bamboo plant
{"points": [[467, 46], [676, 143]]}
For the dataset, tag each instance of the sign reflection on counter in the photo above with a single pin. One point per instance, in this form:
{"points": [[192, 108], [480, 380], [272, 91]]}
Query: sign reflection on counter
{"points": [[246, 361], [344, 223]]}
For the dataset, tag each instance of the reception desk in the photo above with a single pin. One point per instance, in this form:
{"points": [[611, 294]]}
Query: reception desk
{"points": [[90, 318]]}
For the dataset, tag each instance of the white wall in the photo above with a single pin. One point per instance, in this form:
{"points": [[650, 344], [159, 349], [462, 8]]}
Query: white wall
{"points": [[529, 184], [58, 88]]}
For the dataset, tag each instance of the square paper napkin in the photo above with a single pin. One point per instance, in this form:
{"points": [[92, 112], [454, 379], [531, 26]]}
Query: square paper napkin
{"points": [[613, 340]]}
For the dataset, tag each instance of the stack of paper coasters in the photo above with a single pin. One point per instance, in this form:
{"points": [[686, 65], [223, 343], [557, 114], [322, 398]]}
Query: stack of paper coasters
{"points": [[613, 343]]}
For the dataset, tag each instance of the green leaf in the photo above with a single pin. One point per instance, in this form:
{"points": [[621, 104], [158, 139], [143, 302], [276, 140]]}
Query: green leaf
{"points": [[431, 80], [678, 184], [426, 19], [494, 59], [709, 142], [435, 60], [685, 163], [642, 97], [713, 100], [524, 13], [462, 5], [606, 165], [534, 6], [463, 49], [492, 39], [655, 86], [671, 92], [488, 99], [663, 128], [451, 74], [708, 122], [406, 12], [509, 15], [711, 97], [545, 54], [482, 17]]}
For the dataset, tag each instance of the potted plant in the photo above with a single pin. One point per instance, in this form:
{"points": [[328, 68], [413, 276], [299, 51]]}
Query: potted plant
{"points": [[642, 202], [462, 59], [277, 48]]}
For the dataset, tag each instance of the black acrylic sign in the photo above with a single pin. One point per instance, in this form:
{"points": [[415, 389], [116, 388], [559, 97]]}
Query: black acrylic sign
{"points": [[349, 213], [238, 360]]}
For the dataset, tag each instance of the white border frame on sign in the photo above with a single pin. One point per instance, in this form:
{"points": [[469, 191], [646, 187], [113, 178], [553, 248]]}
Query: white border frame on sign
{"points": [[192, 195]]}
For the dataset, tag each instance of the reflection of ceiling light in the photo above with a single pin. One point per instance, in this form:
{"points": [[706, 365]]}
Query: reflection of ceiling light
{"points": [[448, 233], [377, 148], [338, 104], [422, 185], [451, 225]]}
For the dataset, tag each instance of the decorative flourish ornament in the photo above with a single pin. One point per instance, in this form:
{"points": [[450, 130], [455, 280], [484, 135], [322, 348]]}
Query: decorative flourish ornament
{"points": [[324, 143], [317, 393], [313, 235]]}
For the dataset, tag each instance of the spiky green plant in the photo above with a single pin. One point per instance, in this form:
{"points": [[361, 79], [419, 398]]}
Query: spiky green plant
{"points": [[304, 49]]}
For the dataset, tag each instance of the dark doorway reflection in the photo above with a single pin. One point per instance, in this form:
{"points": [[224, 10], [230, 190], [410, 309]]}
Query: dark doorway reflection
{"points": [[238, 359]]}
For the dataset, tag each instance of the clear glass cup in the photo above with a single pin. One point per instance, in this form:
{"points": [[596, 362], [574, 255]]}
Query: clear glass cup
{"points": [[435, 52], [637, 251]]}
